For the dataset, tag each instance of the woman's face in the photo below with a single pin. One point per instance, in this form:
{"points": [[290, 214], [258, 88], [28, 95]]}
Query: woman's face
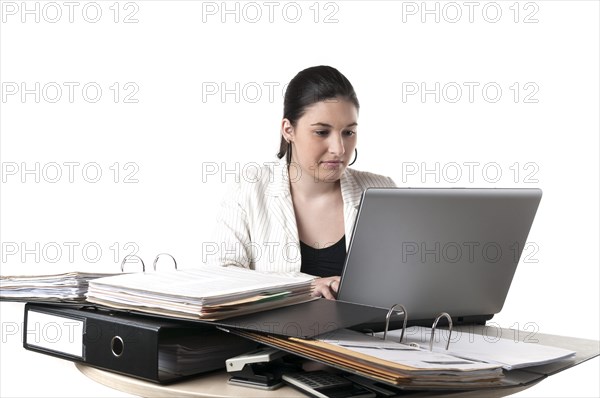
{"points": [[324, 139]]}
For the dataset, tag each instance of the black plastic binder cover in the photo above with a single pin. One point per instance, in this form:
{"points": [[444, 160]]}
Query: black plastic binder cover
{"points": [[141, 338], [304, 320], [307, 319]]}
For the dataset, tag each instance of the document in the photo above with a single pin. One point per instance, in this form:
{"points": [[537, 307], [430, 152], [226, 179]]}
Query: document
{"points": [[67, 287], [508, 353], [205, 292]]}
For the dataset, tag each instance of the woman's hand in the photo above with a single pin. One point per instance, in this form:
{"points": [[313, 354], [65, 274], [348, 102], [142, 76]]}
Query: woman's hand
{"points": [[326, 287]]}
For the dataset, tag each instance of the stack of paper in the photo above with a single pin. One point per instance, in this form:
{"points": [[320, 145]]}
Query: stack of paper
{"points": [[508, 353], [185, 355], [68, 287], [388, 361], [206, 292]]}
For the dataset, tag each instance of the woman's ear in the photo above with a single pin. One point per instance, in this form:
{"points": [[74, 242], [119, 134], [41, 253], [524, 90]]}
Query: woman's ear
{"points": [[287, 130]]}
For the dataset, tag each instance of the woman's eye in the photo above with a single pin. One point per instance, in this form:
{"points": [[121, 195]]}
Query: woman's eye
{"points": [[350, 133], [321, 132]]}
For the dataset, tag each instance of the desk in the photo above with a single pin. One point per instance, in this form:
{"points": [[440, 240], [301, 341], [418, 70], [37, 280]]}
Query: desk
{"points": [[211, 385], [215, 384]]}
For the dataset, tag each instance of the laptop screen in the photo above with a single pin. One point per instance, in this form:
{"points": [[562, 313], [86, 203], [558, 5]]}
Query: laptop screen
{"points": [[451, 250]]}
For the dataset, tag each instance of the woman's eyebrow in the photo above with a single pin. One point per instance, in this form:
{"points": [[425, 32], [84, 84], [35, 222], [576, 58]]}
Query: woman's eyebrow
{"points": [[329, 125]]}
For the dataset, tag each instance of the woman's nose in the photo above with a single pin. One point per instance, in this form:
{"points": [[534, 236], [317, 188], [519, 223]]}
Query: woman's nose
{"points": [[336, 145]]}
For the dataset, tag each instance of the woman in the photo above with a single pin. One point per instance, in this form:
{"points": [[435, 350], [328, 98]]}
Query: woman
{"points": [[297, 215]]}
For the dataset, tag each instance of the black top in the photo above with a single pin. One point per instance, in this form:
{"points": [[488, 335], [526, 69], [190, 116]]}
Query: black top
{"points": [[323, 262]]}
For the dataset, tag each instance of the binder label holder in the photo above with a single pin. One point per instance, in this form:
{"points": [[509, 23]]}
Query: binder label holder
{"points": [[63, 335]]}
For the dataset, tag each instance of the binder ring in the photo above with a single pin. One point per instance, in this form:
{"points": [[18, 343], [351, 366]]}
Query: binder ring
{"points": [[132, 256], [387, 320], [440, 315], [163, 254]]}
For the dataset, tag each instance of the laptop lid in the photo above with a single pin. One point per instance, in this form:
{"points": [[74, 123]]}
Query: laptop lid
{"points": [[435, 250]]}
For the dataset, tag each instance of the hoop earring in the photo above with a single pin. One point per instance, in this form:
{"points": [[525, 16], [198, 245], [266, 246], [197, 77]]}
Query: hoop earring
{"points": [[355, 157]]}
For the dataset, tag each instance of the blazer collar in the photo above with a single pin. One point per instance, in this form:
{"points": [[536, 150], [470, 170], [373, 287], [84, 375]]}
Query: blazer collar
{"points": [[279, 180], [279, 202], [351, 189], [351, 194]]}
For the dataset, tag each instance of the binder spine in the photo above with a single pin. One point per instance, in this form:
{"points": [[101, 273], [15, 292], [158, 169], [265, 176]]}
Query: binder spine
{"points": [[125, 348]]}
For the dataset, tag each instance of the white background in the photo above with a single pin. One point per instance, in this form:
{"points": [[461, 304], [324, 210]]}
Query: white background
{"points": [[175, 129]]}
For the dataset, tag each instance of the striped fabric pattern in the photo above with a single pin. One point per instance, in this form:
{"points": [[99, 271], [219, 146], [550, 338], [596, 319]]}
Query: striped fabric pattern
{"points": [[256, 225]]}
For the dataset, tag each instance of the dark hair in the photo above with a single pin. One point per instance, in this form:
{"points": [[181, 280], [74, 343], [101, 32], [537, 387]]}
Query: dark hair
{"points": [[308, 87]]}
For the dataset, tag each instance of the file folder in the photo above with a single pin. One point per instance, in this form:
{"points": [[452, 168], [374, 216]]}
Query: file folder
{"points": [[303, 320], [145, 347], [306, 320]]}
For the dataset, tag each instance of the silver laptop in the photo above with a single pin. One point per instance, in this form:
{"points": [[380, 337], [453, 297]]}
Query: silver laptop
{"points": [[451, 250]]}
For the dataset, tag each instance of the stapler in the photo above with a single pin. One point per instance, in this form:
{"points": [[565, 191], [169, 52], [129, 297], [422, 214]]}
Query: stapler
{"points": [[260, 368]]}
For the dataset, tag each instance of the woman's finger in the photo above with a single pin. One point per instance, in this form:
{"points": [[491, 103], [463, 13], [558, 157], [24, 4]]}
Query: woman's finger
{"points": [[334, 284], [327, 293]]}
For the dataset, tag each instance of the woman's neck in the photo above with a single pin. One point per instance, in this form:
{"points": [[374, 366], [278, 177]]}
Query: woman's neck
{"points": [[306, 186]]}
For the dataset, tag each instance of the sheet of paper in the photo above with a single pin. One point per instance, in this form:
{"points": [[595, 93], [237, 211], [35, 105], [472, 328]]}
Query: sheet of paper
{"points": [[399, 353]]}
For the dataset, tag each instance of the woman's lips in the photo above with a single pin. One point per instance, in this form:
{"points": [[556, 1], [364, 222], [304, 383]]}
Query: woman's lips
{"points": [[332, 164]]}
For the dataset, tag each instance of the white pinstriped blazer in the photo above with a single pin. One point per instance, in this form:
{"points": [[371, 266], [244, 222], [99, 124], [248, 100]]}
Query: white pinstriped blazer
{"points": [[256, 225]]}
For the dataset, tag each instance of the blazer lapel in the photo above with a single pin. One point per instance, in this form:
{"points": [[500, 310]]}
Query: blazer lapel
{"points": [[280, 201], [351, 194]]}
